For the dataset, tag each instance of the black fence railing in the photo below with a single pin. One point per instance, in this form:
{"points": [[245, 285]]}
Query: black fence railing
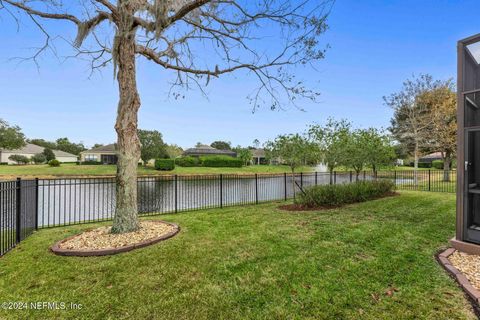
{"points": [[18, 212], [26, 205]]}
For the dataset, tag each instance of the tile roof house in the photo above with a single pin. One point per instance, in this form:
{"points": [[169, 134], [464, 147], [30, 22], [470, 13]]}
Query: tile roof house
{"points": [[31, 149], [205, 150]]}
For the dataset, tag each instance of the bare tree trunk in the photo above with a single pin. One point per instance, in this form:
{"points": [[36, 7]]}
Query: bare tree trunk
{"points": [[128, 144], [446, 167]]}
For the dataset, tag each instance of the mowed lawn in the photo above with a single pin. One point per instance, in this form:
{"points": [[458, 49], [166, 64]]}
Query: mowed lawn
{"points": [[373, 260], [69, 169]]}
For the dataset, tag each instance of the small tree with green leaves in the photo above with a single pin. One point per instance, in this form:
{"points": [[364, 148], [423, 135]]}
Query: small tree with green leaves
{"points": [[49, 155], [293, 150], [244, 154], [174, 151], [355, 156], [378, 148], [331, 141], [11, 137], [152, 145]]}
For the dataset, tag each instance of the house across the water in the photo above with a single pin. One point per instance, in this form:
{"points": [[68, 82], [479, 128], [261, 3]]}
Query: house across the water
{"points": [[30, 150], [105, 154], [429, 158], [204, 150]]}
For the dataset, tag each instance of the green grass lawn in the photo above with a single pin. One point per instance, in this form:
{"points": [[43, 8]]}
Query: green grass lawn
{"points": [[373, 260], [9, 172]]}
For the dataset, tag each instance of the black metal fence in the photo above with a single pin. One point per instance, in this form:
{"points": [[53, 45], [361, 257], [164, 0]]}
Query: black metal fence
{"points": [[26, 205], [18, 212]]}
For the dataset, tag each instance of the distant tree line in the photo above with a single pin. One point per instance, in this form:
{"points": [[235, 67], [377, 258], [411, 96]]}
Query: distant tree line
{"points": [[335, 144]]}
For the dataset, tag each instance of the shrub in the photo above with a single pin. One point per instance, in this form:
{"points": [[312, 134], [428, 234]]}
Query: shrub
{"points": [[19, 159], [437, 164], [164, 164], [48, 153], [90, 163], [3, 163], [188, 161], [221, 161], [340, 194], [424, 165], [39, 158], [54, 163]]}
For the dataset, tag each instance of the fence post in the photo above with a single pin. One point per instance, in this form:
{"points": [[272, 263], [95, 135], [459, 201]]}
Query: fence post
{"points": [[18, 224], [364, 175], [256, 188], [285, 184], [429, 180], [176, 193], [350, 176], [36, 203], [221, 190], [334, 177], [395, 177], [316, 178], [301, 180]]}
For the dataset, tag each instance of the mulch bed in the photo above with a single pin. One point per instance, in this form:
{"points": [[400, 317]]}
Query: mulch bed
{"points": [[300, 207], [467, 277], [100, 242]]}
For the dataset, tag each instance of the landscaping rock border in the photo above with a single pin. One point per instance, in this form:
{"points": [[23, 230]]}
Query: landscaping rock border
{"points": [[104, 252], [472, 293]]}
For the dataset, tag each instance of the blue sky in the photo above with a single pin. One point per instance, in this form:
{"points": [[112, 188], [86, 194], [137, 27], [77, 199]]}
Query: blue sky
{"points": [[375, 45]]}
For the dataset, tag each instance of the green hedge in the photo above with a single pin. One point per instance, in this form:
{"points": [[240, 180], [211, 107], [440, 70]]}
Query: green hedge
{"points": [[424, 165], [437, 164], [164, 164], [340, 194], [90, 163], [221, 161], [54, 163], [187, 162]]}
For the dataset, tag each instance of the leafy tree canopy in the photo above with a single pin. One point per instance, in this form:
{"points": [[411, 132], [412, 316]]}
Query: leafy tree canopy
{"points": [[152, 145], [331, 140], [48, 153], [221, 145], [65, 145], [11, 137]]}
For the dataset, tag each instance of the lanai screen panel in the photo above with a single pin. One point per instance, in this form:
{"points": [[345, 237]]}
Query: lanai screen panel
{"points": [[471, 82]]}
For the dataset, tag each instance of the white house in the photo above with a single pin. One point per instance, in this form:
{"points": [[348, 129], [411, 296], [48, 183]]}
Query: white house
{"points": [[30, 150]]}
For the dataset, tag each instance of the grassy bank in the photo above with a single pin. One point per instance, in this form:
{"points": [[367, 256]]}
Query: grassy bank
{"points": [[9, 172], [373, 260]]}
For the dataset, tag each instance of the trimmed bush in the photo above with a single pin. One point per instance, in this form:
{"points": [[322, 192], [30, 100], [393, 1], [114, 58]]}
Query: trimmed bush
{"points": [[341, 194], [188, 162], [90, 163], [54, 163], [19, 159], [221, 161], [437, 164], [424, 165], [3, 163], [164, 164], [39, 158]]}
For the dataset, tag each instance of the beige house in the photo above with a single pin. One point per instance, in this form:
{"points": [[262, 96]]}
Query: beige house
{"points": [[30, 150], [105, 154]]}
